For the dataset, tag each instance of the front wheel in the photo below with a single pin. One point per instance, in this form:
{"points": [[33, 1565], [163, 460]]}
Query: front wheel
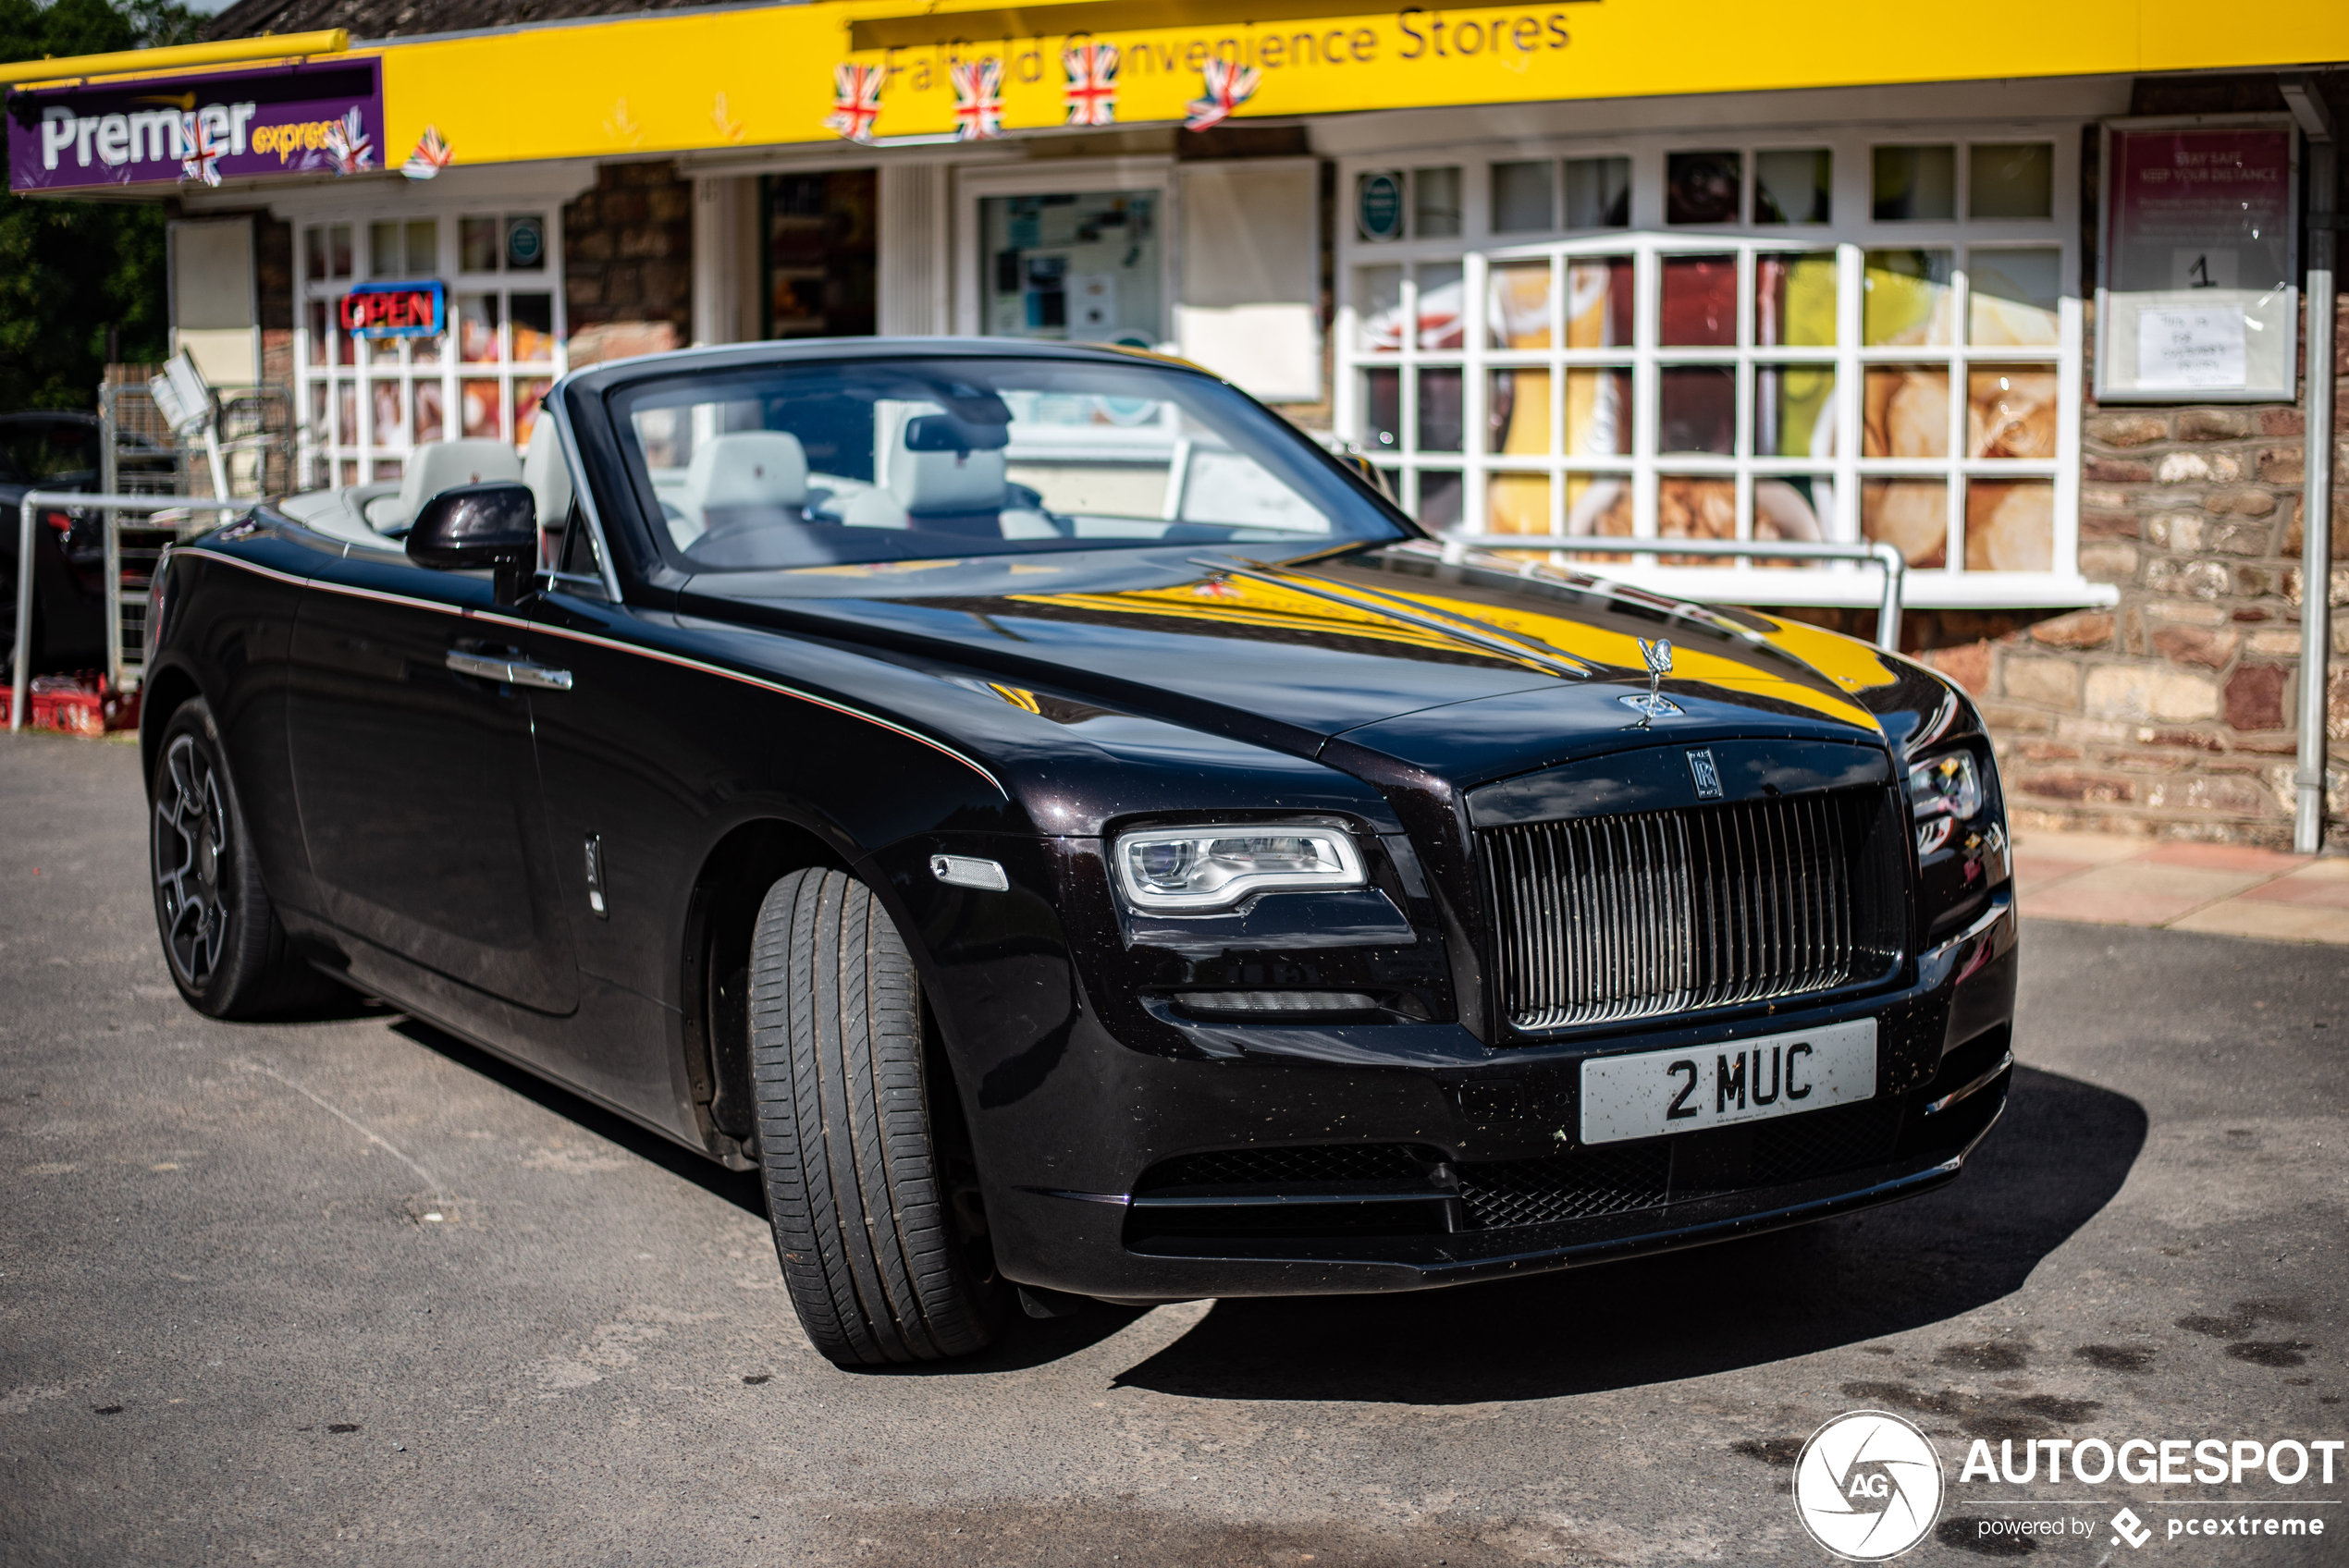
{"points": [[869, 1176]]}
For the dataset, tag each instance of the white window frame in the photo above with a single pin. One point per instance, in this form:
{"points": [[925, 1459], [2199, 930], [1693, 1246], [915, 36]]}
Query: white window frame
{"points": [[321, 460], [1052, 176], [1852, 232]]}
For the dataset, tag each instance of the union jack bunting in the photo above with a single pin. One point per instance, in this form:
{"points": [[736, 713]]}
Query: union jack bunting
{"points": [[978, 98], [349, 144], [205, 147], [856, 93], [431, 156], [1092, 92], [1229, 84]]}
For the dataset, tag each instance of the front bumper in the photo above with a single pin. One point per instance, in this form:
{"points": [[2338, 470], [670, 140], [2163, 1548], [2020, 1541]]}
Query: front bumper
{"points": [[1075, 1136]]}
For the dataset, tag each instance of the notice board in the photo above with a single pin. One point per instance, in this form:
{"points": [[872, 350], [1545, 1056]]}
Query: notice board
{"points": [[2197, 297]]}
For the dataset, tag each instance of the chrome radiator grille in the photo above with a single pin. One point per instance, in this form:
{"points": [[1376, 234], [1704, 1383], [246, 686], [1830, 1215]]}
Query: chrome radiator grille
{"points": [[1656, 912]]}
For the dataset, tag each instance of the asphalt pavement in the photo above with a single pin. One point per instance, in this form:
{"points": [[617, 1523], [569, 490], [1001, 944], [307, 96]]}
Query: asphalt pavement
{"points": [[349, 1291]]}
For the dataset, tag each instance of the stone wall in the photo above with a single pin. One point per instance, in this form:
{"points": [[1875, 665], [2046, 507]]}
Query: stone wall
{"points": [[2171, 712], [628, 249]]}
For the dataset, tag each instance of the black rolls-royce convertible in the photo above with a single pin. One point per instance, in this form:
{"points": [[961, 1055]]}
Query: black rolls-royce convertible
{"points": [[1076, 837]]}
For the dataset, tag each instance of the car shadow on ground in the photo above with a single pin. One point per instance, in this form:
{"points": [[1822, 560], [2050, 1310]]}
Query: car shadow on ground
{"points": [[740, 1188], [2060, 1154], [2062, 1150], [1025, 1343]]}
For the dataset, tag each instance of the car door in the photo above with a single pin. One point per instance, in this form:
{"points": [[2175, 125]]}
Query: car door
{"points": [[417, 780]]}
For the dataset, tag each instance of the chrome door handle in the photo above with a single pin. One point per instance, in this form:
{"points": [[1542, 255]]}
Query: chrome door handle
{"points": [[515, 672]]}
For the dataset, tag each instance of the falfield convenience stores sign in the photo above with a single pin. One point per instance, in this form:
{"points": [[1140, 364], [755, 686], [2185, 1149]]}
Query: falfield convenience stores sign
{"points": [[762, 77]]}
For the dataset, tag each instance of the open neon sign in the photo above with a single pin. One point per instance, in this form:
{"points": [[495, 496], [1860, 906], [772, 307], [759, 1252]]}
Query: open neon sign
{"points": [[394, 309]]}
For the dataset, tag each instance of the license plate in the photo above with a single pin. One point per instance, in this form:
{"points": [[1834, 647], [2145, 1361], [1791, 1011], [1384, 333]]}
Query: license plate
{"points": [[1651, 1093]]}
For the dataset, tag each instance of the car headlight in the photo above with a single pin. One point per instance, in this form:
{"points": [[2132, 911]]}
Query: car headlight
{"points": [[1946, 786], [1943, 791], [1195, 870]]}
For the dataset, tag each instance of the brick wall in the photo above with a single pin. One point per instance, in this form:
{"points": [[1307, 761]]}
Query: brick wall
{"points": [[628, 251]]}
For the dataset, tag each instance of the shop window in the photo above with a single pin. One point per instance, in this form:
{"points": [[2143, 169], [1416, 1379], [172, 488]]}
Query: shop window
{"points": [[1702, 187], [1907, 298], [1523, 202], [1916, 184], [398, 250], [1794, 185], [1392, 204], [2010, 180], [1435, 203], [477, 244], [371, 402], [1076, 267], [820, 254], [2015, 295], [1796, 372], [1598, 192], [327, 248]]}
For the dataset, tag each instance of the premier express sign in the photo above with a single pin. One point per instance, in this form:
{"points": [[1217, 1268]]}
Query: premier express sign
{"points": [[310, 119]]}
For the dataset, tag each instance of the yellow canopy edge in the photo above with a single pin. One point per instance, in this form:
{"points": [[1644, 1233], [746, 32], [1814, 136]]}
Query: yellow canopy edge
{"points": [[178, 57]]}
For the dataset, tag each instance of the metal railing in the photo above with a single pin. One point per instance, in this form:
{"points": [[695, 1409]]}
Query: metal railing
{"points": [[1886, 558], [20, 659]]}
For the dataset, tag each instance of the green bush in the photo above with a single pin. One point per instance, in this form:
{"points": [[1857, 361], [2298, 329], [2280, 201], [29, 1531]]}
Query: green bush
{"points": [[69, 270]]}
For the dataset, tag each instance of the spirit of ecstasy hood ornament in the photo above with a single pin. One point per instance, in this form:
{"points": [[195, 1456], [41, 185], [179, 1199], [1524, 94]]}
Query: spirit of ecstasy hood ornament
{"points": [[1652, 703]]}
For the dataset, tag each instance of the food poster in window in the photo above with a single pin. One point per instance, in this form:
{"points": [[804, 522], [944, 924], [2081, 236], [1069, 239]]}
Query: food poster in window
{"points": [[1518, 403], [1599, 302]]}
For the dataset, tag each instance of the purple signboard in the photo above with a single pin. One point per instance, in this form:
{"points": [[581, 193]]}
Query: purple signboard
{"points": [[323, 118]]}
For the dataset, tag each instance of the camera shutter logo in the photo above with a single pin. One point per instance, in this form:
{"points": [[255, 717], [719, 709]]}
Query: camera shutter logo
{"points": [[1868, 1486]]}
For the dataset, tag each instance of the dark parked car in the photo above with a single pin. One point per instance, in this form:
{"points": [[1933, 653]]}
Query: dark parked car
{"points": [[54, 451], [1076, 839]]}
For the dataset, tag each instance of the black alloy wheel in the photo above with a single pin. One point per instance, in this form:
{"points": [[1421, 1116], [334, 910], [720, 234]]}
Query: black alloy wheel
{"points": [[191, 850], [227, 954], [868, 1169]]}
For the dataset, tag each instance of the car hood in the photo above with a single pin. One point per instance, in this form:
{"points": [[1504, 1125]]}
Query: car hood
{"points": [[1474, 670]]}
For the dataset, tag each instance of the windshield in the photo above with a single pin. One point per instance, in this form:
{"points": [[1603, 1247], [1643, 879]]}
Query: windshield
{"points": [[849, 462]]}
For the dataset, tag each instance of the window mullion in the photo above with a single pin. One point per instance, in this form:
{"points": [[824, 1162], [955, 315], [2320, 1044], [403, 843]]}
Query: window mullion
{"points": [[1850, 311], [1961, 308], [1647, 292], [1475, 305]]}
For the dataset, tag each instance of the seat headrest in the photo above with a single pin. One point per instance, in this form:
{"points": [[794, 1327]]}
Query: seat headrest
{"points": [[946, 482], [745, 468], [548, 475], [443, 465]]}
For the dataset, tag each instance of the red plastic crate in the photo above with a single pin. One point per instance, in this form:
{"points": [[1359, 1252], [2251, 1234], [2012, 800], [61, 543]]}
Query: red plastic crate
{"points": [[74, 705]]}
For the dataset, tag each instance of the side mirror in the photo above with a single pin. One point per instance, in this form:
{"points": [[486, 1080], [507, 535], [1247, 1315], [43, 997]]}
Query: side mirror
{"points": [[472, 526]]}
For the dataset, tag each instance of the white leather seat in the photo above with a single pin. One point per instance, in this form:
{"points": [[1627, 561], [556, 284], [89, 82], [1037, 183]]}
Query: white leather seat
{"points": [[443, 465], [548, 475], [932, 482], [746, 468]]}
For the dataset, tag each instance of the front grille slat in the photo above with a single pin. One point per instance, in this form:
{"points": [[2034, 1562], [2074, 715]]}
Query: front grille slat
{"points": [[1605, 919]]}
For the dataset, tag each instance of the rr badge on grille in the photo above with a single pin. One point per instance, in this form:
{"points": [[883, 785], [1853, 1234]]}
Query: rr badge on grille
{"points": [[1653, 704], [1707, 777]]}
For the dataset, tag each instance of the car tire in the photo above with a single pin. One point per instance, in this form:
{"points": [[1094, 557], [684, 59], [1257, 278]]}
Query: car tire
{"points": [[221, 938], [868, 1176]]}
